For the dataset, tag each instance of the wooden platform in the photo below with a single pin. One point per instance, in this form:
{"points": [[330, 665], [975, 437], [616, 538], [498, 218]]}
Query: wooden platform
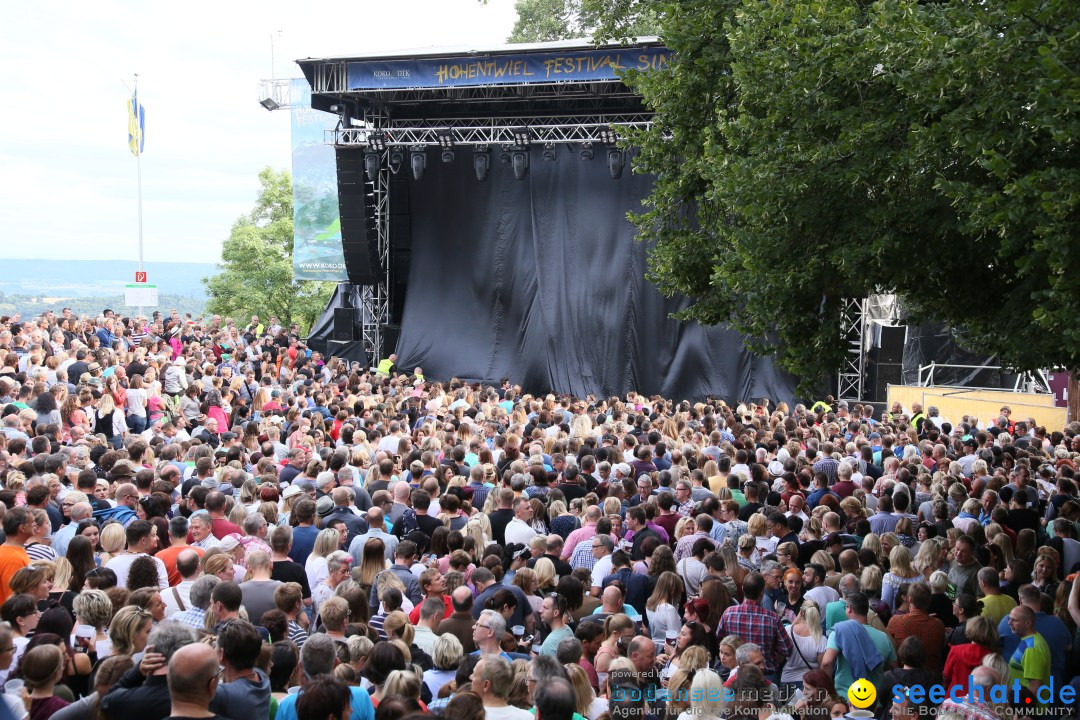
{"points": [[954, 403]]}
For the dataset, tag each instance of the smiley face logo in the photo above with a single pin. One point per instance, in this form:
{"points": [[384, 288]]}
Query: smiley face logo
{"points": [[862, 693]]}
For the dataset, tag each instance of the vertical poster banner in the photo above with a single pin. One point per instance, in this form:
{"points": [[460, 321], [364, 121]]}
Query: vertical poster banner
{"points": [[317, 253]]}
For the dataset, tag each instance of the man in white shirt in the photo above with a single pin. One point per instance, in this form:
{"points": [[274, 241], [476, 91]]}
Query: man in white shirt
{"points": [[518, 530], [178, 597], [141, 540], [602, 547]]}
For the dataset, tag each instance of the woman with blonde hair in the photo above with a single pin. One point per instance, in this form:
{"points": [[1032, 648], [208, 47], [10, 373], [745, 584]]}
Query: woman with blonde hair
{"points": [[220, 565], [112, 539], [588, 705], [787, 553], [545, 575], [928, 559], [684, 528], [873, 543], [853, 511], [129, 629], [327, 541], [758, 526], [809, 643], [372, 562], [397, 626], [109, 420], [870, 582], [93, 608], [900, 573], [474, 529], [706, 697]]}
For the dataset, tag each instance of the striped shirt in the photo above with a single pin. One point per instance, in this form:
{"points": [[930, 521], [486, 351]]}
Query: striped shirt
{"points": [[40, 551], [297, 634]]}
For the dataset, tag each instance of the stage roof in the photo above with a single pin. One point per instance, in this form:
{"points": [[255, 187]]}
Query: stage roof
{"points": [[564, 78]]}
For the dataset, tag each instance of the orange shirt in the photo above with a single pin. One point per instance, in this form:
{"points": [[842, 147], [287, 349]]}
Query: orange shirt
{"points": [[12, 558], [168, 556]]}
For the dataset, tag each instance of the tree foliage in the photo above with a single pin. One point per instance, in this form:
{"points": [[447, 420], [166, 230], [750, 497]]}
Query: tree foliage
{"points": [[806, 151], [550, 20], [256, 274]]}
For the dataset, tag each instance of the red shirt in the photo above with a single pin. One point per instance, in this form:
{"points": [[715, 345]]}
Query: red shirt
{"points": [[414, 615], [223, 527]]}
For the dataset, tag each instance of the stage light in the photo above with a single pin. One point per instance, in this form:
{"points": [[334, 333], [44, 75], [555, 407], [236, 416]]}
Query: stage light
{"points": [[586, 151], [446, 138], [269, 103], [448, 156], [481, 163], [608, 136], [397, 159], [522, 136], [377, 141], [615, 162], [418, 162], [549, 152], [520, 160], [371, 165]]}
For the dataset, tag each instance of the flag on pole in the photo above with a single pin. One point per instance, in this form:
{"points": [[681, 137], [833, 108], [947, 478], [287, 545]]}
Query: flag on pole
{"points": [[136, 125]]}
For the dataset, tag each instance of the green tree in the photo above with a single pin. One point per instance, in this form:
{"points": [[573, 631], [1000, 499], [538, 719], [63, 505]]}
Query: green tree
{"points": [[550, 20], [808, 151], [545, 21], [256, 274]]}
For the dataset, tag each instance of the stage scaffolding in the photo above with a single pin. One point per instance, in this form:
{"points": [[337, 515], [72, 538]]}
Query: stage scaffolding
{"points": [[480, 134]]}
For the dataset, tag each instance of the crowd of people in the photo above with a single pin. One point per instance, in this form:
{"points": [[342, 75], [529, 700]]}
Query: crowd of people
{"points": [[203, 520]]}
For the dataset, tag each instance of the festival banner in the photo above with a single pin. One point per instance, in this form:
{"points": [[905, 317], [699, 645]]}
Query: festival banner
{"points": [[578, 66], [317, 253]]}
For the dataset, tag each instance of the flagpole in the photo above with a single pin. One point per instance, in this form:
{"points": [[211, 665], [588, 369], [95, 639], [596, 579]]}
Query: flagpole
{"points": [[138, 163]]}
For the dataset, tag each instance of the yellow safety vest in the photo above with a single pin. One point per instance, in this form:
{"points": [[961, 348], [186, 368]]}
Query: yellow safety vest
{"points": [[384, 367]]}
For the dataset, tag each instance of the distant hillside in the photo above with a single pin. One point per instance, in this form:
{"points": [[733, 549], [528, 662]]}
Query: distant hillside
{"points": [[91, 278]]}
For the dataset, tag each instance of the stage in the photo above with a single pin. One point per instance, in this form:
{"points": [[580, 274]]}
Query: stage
{"points": [[483, 198]]}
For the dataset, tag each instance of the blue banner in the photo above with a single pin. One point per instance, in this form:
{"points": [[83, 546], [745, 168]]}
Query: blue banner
{"points": [[580, 66], [317, 253]]}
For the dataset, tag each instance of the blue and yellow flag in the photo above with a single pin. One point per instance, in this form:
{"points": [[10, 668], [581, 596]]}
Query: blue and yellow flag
{"points": [[136, 125]]}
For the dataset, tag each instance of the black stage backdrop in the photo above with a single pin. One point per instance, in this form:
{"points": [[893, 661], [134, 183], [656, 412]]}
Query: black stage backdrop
{"points": [[542, 281]]}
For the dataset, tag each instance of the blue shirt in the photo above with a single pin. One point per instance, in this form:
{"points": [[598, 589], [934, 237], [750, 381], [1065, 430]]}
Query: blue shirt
{"points": [[362, 709], [303, 540]]}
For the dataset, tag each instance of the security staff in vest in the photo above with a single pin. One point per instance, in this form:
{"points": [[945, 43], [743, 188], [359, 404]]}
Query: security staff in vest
{"points": [[388, 366]]}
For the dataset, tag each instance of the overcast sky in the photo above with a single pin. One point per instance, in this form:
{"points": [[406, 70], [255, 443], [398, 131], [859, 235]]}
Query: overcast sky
{"points": [[67, 180]]}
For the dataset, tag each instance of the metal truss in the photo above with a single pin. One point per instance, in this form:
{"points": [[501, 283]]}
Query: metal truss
{"points": [[375, 299], [274, 94], [494, 131], [853, 330], [330, 77]]}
